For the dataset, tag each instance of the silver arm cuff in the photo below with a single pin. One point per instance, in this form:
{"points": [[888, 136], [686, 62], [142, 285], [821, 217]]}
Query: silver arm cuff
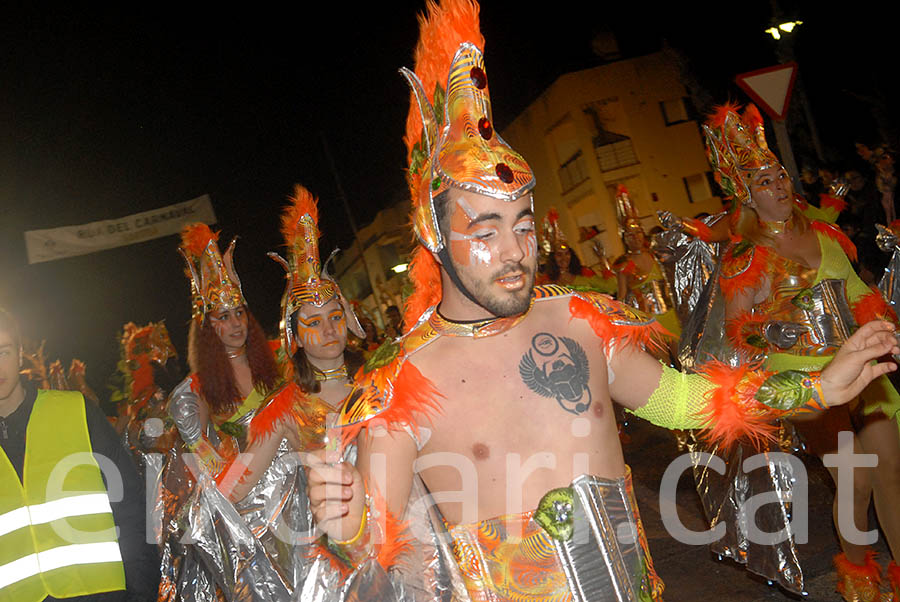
{"points": [[184, 407]]}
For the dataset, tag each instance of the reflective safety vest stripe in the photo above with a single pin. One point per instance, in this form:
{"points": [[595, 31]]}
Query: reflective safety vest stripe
{"points": [[57, 533]]}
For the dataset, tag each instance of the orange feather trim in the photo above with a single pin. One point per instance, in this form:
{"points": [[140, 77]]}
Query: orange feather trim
{"points": [[442, 28], [698, 229], [835, 234], [827, 201], [320, 549], [291, 404], [744, 278], [650, 335], [414, 397], [893, 573], [731, 412], [302, 202], [425, 275], [895, 225], [234, 472], [872, 306], [196, 237], [869, 570], [742, 325], [395, 543]]}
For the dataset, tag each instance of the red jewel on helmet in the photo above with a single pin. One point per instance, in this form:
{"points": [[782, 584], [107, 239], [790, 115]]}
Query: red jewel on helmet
{"points": [[485, 128], [504, 172], [478, 77]]}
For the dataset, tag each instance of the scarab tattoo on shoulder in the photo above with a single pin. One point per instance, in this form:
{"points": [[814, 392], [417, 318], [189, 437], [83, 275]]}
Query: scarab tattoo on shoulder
{"points": [[557, 367]]}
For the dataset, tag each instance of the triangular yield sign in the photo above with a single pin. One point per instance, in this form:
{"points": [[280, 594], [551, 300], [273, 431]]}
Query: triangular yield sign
{"points": [[770, 88]]}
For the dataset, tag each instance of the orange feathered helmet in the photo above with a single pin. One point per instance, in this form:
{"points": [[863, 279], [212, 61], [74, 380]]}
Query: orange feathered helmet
{"points": [[307, 282], [450, 136], [736, 146], [214, 282]]}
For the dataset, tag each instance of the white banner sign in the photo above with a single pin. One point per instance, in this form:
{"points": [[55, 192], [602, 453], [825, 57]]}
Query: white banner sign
{"points": [[70, 241]]}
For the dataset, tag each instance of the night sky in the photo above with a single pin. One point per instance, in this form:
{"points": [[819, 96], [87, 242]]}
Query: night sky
{"points": [[104, 115]]}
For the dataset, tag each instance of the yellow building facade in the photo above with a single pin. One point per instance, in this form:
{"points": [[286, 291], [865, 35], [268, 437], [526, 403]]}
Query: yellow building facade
{"points": [[626, 122]]}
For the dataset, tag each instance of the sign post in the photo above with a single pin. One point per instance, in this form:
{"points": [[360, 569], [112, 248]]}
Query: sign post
{"points": [[771, 89]]}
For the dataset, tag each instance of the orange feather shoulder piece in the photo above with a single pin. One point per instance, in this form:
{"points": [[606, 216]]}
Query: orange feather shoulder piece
{"points": [[617, 323], [743, 267]]}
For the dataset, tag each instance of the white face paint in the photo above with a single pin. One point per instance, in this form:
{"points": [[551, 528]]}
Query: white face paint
{"points": [[479, 252], [531, 245]]}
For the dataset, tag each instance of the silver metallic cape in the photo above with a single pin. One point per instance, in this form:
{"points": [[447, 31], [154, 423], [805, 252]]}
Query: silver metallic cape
{"points": [[724, 497], [259, 549], [889, 285], [694, 268]]}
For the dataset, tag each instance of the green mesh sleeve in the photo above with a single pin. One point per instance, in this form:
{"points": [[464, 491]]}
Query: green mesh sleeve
{"points": [[677, 402]]}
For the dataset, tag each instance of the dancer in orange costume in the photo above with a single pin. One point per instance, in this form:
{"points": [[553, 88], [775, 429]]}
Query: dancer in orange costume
{"points": [[792, 297]]}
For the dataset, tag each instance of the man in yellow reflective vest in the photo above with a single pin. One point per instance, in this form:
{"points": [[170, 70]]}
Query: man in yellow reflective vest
{"points": [[71, 505]]}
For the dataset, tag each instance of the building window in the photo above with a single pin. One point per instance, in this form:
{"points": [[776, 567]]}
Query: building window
{"points": [[572, 172], [697, 187], [616, 153], [674, 111]]}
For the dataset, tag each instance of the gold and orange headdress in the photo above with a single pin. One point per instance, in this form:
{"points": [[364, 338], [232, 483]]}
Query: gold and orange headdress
{"points": [[736, 146], [142, 346], [552, 237], [307, 281], [626, 212], [450, 133], [214, 282]]}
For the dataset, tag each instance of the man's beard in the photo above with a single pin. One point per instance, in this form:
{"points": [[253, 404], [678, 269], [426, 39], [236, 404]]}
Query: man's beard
{"points": [[501, 304]]}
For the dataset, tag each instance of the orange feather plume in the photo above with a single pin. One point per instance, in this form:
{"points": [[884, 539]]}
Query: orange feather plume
{"points": [[442, 28], [196, 237], [302, 202], [425, 275], [731, 412], [717, 117], [752, 116], [837, 235]]}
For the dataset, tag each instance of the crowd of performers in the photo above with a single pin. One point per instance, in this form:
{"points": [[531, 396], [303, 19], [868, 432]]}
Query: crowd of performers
{"points": [[748, 330]]}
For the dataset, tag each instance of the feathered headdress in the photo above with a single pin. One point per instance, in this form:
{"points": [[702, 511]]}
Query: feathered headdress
{"points": [[736, 146], [552, 236], [450, 134], [626, 212], [307, 282], [450, 137], [214, 282], [142, 346]]}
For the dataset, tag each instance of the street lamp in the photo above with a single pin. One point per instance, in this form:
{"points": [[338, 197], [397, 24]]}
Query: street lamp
{"points": [[786, 27]]}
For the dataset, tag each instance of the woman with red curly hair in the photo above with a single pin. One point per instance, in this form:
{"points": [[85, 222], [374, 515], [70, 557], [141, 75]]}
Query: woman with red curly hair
{"points": [[792, 298], [232, 365]]}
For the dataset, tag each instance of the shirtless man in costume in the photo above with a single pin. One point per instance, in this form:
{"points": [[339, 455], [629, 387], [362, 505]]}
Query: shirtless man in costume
{"points": [[498, 399]]}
